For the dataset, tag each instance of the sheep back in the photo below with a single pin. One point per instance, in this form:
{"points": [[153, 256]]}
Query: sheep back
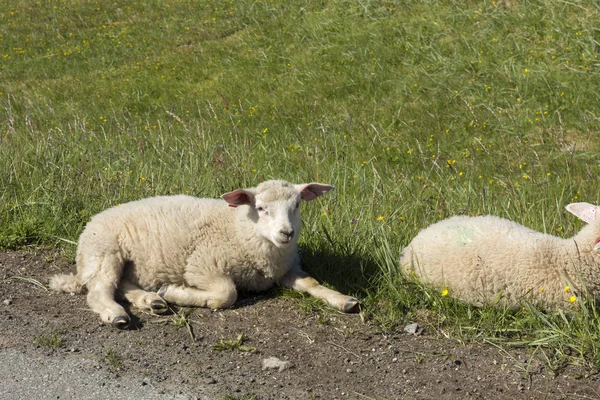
{"points": [[487, 259]]}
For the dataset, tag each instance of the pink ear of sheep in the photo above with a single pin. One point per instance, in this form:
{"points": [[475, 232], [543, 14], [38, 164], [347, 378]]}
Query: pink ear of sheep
{"points": [[310, 191], [238, 197], [585, 211]]}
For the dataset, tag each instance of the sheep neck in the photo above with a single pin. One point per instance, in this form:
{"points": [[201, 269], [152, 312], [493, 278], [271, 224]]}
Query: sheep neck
{"points": [[584, 265]]}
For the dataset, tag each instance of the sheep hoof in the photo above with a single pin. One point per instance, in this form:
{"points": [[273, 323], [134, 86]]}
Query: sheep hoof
{"points": [[120, 322], [159, 306], [351, 305]]}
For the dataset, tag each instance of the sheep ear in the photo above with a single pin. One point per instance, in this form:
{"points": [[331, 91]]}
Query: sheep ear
{"points": [[585, 211], [310, 191], [239, 197]]}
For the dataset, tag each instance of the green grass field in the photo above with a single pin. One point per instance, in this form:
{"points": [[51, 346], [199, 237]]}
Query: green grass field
{"points": [[414, 110]]}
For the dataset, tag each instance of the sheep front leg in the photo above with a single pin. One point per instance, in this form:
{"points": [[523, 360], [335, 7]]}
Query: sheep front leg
{"points": [[215, 292], [142, 299], [301, 281]]}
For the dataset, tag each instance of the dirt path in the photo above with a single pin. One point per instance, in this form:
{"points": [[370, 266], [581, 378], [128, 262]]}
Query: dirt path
{"points": [[333, 357]]}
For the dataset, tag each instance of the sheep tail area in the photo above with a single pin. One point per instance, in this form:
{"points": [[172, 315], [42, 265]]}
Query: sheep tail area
{"points": [[66, 283]]}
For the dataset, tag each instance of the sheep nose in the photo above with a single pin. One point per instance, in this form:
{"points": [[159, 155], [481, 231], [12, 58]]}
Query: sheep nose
{"points": [[287, 233]]}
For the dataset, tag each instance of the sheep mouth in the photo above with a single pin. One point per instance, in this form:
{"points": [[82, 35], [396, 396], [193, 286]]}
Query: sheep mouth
{"points": [[284, 240]]}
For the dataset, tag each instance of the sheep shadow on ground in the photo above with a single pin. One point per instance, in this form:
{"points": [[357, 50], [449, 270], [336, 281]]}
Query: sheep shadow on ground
{"points": [[348, 273]]}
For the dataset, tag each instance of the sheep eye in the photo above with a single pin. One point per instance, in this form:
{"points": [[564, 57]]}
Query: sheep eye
{"points": [[262, 210]]}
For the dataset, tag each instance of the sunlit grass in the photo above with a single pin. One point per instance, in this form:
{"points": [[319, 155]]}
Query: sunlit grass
{"points": [[414, 112]]}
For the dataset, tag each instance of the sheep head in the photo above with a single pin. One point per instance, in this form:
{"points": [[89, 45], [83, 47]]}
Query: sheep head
{"points": [[274, 207]]}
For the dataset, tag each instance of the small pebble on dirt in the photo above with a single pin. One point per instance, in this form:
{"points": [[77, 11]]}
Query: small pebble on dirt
{"points": [[413, 329], [210, 380], [275, 363], [7, 302]]}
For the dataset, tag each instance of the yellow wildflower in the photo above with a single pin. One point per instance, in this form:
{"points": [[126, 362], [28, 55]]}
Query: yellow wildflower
{"points": [[567, 289], [572, 299], [445, 292]]}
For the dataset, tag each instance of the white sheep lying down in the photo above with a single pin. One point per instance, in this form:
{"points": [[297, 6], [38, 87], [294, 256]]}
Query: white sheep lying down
{"points": [[195, 252], [489, 260]]}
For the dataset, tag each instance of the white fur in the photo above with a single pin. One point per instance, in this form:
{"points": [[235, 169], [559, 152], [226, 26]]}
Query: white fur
{"points": [[486, 259], [194, 252]]}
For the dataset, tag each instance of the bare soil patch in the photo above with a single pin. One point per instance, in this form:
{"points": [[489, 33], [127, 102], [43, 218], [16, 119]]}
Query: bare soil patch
{"points": [[332, 356]]}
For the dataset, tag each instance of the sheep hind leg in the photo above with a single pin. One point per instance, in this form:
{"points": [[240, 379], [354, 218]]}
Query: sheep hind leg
{"points": [[220, 292], [146, 301], [101, 274], [101, 300]]}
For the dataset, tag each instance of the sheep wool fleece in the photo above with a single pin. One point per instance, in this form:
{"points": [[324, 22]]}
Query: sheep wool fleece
{"points": [[165, 234]]}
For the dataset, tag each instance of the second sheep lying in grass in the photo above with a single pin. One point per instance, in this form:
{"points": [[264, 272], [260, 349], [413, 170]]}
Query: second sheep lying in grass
{"points": [[195, 252], [487, 259]]}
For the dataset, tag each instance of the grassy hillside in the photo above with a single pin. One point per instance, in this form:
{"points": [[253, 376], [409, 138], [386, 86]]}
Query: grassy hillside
{"points": [[414, 110]]}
